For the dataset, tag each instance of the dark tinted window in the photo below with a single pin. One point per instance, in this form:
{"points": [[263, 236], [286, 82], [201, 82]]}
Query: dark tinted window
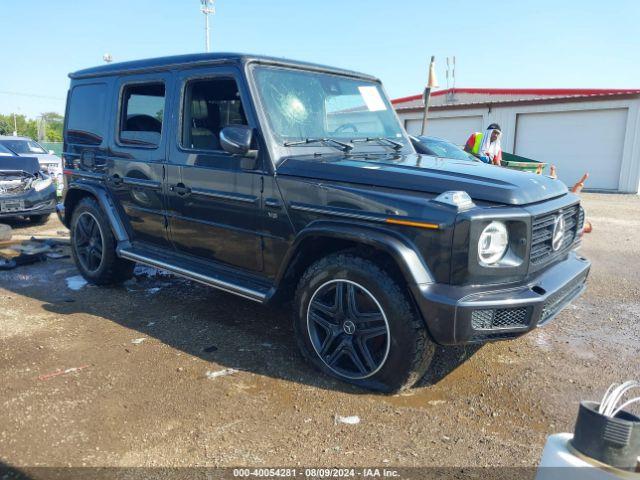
{"points": [[209, 106], [85, 122], [141, 114]]}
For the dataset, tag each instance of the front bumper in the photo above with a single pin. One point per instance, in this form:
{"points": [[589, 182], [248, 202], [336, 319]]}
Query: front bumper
{"points": [[458, 315], [35, 203]]}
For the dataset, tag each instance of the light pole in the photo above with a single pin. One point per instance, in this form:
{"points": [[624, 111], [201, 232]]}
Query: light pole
{"points": [[431, 83], [207, 8]]}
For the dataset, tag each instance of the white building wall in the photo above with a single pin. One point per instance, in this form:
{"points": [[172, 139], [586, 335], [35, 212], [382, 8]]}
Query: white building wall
{"points": [[506, 116]]}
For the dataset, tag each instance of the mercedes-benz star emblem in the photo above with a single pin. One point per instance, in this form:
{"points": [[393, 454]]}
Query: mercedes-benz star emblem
{"points": [[349, 327], [558, 233]]}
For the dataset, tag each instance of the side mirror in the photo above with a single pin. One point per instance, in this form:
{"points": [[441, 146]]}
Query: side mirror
{"points": [[237, 139], [51, 152]]}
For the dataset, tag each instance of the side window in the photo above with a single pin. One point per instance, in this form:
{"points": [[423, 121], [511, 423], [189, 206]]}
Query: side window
{"points": [[141, 113], [209, 106], [85, 122]]}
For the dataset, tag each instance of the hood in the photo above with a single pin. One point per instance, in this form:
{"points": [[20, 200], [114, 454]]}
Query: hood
{"points": [[44, 158], [428, 174], [19, 164]]}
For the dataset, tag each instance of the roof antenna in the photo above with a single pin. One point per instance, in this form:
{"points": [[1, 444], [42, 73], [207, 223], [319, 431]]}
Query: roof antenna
{"points": [[452, 93], [447, 75]]}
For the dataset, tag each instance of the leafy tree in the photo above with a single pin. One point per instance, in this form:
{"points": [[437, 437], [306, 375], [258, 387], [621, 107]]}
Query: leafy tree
{"points": [[28, 127], [5, 128], [54, 122]]}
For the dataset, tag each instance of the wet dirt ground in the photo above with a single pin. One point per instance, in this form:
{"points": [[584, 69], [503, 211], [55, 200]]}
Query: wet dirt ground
{"points": [[138, 375]]}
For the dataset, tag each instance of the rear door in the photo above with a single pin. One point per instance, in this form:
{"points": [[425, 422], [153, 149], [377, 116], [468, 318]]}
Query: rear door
{"points": [[136, 166], [213, 198]]}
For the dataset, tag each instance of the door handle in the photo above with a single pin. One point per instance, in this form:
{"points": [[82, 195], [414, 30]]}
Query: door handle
{"points": [[116, 179], [181, 189]]}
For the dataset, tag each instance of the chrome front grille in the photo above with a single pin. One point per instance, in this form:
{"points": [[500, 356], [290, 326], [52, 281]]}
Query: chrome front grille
{"points": [[542, 251]]}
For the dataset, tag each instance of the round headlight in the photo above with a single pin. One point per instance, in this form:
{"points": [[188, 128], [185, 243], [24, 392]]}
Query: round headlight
{"points": [[493, 243]]}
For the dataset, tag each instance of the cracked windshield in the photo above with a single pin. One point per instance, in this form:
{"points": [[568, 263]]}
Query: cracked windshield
{"points": [[308, 106]]}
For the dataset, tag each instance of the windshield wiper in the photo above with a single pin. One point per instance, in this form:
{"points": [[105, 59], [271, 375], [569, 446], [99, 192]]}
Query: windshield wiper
{"points": [[330, 142], [381, 140]]}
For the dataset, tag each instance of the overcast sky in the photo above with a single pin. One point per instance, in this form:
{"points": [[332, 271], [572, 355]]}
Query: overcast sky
{"points": [[560, 43]]}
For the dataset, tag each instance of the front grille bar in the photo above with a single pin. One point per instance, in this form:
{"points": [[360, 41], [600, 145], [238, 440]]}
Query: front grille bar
{"points": [[542, 252]]}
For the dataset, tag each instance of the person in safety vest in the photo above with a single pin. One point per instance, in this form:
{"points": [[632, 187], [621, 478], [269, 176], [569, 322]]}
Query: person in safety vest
{"points": [[486, 146]]}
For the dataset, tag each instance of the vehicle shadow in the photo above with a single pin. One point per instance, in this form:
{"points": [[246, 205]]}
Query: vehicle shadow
{"points": [[198, 320], [8, 472]]}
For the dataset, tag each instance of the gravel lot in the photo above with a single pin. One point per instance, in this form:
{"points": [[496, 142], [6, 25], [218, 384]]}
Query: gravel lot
{"points": [[138, 375]]}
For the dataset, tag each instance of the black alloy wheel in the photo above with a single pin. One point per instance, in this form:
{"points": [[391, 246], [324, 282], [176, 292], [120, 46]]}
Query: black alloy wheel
{"points": [[89, 242], [348, 329]]}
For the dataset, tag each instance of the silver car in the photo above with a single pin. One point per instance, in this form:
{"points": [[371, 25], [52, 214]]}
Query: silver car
{"points": [[25, 147]]}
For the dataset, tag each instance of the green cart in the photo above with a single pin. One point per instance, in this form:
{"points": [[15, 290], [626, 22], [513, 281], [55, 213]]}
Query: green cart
{"points": [[516, 162]]}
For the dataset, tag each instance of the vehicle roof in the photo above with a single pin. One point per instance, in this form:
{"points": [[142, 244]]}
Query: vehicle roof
{"points": [[201, 59], [11, 137], [434, 139]]}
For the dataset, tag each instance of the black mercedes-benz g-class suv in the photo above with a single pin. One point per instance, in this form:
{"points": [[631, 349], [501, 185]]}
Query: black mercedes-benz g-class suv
{"points": [[273, 179]]}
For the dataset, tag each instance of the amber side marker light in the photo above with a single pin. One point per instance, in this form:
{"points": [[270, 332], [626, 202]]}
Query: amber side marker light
{"points": [[408, 223]]}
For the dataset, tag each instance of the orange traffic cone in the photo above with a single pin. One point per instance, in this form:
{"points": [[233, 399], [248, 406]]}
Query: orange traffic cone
{"points": [[577, 188]]}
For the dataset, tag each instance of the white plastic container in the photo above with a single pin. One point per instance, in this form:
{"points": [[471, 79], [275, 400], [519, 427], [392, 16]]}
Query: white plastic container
{"points": [[558, 453]]}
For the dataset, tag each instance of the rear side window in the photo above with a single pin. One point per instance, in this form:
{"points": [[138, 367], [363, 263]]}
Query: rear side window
{"points": [[141, 114], [85, 118]]}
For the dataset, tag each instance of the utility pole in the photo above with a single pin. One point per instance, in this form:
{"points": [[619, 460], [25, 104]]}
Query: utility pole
{"points": [[15, 125], [207, 8]]}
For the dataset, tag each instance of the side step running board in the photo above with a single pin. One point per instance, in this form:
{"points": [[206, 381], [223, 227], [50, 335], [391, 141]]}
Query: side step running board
{"points": [[221, 281]]}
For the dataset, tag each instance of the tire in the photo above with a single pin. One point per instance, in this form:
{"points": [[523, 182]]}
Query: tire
{"points": [[39, 219], [93, 246], [400, 350]]}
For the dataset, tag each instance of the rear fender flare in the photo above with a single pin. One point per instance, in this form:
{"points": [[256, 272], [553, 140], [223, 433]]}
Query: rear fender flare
{"points": [[106, 203]]}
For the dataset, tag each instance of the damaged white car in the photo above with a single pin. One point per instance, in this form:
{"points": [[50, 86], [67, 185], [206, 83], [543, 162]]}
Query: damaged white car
{"points": [[25, 190], [49, 162]]}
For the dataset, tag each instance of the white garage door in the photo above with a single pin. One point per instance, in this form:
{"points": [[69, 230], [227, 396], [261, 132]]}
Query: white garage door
{"points": [[454, 129], [576, 142]]}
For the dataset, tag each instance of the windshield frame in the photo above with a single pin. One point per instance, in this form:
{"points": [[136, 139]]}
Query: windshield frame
{"points": [[279, 152]]}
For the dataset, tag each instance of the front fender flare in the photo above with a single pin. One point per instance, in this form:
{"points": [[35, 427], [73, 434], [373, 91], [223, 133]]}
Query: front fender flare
{"points": [[404, 253]]}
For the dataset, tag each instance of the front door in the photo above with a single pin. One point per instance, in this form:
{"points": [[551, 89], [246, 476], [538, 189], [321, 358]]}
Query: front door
{"points": [[213, 198], [136, 161]]}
